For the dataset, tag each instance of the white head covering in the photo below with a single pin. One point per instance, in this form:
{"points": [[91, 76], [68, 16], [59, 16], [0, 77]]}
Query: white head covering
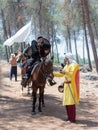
{"points": [[70, 57]]}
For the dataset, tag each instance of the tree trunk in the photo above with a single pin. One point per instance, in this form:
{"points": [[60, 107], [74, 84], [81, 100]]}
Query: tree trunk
{"points": [[5, 32], [57, 52], [52, 37], [86, 9], [7, 53], [4, 24], [69, 43], [86, 40], [77, 59], [40, 17], [83, 50], [35, 29], [66, 41], [95, 28]]}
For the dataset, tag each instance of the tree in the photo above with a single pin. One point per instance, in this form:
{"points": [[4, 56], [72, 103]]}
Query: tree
{"points": [[85, 34], [87, 16]]}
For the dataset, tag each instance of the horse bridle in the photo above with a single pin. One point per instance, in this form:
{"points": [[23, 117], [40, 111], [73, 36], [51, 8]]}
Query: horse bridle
{"points": [[46, 73]]}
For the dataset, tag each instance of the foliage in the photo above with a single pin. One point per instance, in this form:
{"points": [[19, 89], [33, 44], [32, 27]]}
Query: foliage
{"points": [[50, 18]]}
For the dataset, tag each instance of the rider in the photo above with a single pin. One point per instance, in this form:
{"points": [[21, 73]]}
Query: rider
{"points": [[44, 46], [27, 51], [40, 49]]}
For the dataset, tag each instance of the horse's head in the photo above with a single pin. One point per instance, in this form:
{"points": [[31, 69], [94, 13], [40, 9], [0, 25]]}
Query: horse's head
{"points": [[42, 71], [20, 57], [48, 71], [48, 67]]}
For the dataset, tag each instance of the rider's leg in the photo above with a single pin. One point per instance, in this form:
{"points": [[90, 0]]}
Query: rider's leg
{"points": [[28, 69]]}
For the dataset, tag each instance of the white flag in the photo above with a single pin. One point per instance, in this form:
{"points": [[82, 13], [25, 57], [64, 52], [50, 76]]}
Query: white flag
{"points": [[21, 36]]}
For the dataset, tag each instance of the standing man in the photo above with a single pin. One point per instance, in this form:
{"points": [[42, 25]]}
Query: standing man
{"points": [[13, 68], [71, 86]]}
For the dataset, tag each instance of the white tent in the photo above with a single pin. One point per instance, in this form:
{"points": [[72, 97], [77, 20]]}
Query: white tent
{"points": [[9, 41], [22, 35]]}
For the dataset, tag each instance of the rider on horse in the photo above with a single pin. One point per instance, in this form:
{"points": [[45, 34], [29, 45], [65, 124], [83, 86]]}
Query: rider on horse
{"points": [[40, 49]]}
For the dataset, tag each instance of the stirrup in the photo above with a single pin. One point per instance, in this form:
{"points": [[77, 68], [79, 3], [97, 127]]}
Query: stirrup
{"points": [[51, 82], [25, 76]]}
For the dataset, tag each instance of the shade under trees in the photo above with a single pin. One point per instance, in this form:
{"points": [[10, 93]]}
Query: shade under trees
{"points": [[69, 19]]}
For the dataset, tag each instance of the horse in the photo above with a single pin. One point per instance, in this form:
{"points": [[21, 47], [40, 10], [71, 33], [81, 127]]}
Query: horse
{"points": [[39, 74], [22, 60]]}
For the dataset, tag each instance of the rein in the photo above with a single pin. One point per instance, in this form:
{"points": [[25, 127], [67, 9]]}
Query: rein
{"points": [[44, 73]]}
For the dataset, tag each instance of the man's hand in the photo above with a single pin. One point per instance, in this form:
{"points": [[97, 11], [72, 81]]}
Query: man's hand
{"points": [[62, 71]]}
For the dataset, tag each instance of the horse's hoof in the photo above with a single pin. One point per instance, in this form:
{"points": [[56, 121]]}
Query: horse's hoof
{"points": [[40, 111], [33, 113]]}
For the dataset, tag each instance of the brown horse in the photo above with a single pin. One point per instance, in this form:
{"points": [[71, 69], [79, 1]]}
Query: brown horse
{"points": [[22, 60], [39, 74]]}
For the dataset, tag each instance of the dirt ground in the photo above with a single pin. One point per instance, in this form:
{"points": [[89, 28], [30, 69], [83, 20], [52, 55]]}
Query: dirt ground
{"points": [[15, 109]]}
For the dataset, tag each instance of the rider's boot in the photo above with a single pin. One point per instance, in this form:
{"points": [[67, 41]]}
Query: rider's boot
{"points": [[51, 82], [25, 80]]}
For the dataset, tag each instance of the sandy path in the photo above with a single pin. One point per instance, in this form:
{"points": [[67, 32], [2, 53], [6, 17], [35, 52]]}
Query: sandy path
{"points": [[15, 109]]}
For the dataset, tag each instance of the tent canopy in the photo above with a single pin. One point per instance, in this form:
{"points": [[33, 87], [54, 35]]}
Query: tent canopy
{"points": [[21, 36]]}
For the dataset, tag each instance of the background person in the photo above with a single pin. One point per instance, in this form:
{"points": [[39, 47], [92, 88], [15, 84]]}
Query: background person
{"points": [[13, 67], [71, 86]]}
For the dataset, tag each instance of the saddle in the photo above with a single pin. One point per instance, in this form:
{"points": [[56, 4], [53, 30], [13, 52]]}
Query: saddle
{"points": [[30, 70]]}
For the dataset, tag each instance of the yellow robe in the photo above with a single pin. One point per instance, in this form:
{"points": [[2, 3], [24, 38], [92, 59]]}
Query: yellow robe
{"points": [[71, 90]]}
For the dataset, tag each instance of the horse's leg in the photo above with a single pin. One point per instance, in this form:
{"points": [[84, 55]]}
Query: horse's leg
{"points": [[41, 92], [40, 100], [29, 86], [43, 104], [21, 91], [28, 89], [22, 75], [33, 102]]}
